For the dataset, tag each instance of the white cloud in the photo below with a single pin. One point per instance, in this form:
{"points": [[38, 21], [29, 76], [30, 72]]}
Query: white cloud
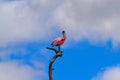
{"points": [[109, 74], [20, 64], [95, 20], [7, 52], [22, 21], [14, 71], [34, 20]]}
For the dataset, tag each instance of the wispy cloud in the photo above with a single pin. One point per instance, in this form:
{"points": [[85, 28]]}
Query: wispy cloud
{"points": [[95, 20], [14, 71], [112, 73], [24, 20], [20, 62], [31, 20]]}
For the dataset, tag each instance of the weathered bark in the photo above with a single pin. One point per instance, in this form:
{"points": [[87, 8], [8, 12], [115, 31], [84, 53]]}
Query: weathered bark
{"points": [[58, 54]]}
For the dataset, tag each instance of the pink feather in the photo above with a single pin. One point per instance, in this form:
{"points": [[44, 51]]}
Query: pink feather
{"points": [[58, 41]]}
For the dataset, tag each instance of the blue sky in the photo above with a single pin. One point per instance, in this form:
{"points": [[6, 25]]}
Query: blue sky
{"points": [[91, 51]]}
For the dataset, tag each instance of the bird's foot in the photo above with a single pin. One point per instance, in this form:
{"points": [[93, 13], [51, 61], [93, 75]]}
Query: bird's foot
{"points": [[58, 48]]}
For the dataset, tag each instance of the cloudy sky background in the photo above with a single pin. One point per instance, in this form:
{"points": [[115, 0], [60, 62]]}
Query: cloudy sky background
{"points": [[28, 26]]}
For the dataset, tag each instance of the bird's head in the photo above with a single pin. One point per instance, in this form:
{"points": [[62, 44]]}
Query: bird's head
{"points": [[64, 34]]}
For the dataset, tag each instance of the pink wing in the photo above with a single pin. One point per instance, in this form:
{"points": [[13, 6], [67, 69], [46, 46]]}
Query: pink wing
{"points": [[58, 41]]}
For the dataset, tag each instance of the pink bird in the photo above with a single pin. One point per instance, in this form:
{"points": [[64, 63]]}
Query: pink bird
{"points": [[60, 40]]}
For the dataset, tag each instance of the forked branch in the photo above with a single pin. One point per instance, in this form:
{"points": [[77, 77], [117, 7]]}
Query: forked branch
{"points": [[58, 53]]}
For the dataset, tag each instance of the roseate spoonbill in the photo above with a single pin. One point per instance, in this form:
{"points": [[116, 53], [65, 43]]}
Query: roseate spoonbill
{"points": [[59, 41]]}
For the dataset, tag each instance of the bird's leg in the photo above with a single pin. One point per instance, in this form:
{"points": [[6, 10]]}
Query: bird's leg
{"points": [[58, 48], [59, 53]]}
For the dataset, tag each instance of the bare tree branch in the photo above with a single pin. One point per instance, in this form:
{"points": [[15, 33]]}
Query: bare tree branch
{"points": [[52, 49], [58, 54]]}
